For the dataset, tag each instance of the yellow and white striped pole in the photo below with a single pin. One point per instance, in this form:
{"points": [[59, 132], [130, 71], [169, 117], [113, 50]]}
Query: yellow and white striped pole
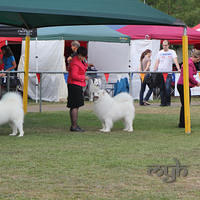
{"points": [[26, 68], [186, 83]]}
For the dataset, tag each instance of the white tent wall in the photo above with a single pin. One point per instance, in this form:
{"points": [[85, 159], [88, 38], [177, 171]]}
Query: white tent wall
{"points": [[111, 57], [46, 56], [108, 56], [118, 56], [137, 47], [195, 91]]}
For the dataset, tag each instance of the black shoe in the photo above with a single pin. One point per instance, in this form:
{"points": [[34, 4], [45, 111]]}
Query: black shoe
{"points": [[77, 129], [181, 125], [147, 103], [163, 105]]}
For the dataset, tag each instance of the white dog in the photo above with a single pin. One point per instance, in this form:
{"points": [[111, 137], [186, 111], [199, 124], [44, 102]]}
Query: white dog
{"points": [[11, 111], [110, 109]]}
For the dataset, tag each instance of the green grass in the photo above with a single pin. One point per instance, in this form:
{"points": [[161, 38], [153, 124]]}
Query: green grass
{"points": [[51, 163]]}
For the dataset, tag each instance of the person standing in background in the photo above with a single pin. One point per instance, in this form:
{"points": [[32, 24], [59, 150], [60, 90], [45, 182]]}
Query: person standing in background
{"points": [[74, 46], [145, 63], [164, 62], [8, 59], [192, 83], [1, 63]]}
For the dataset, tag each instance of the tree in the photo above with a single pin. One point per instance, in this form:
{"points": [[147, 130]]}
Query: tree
{"points": [[186, 10]]}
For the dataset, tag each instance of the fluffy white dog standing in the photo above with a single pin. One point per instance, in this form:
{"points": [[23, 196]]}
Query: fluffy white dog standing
{"points": [[110, 109], [11, 111]]}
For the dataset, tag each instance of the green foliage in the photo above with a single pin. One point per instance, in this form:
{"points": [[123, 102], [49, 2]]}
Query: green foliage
{"points": [[186, 10]]}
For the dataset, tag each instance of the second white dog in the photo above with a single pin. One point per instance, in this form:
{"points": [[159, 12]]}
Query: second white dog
{"points": [[11, 111], [110, 109]]}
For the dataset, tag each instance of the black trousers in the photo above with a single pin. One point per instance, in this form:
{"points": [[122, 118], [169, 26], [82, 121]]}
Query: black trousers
{"points": [[143, 87], [182, 116], [165, 88]]}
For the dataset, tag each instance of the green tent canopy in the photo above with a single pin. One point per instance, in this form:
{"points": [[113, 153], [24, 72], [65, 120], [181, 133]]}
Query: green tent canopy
{"points": [[41, 13], [82, 33]]}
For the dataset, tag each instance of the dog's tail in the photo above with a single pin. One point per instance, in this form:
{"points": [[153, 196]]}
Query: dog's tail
{"points": [[13, 97]]}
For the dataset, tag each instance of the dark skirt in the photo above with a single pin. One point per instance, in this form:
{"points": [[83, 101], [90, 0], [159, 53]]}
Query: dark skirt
{"points": [[75, 96]]}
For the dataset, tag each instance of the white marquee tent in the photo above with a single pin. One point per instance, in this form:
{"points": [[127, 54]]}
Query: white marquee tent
{"points": [[113, 56]]}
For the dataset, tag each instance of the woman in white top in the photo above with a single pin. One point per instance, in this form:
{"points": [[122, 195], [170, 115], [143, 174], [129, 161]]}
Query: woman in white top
{"points": [[145, 63]]}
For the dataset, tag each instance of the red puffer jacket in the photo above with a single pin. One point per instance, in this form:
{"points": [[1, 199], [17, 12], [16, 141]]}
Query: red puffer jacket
{"points": [[192, 72], [77, 71]]}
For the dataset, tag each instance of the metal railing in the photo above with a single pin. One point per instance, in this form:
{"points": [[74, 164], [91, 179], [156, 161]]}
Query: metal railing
{"points": [[41, 73], [8, 76]]}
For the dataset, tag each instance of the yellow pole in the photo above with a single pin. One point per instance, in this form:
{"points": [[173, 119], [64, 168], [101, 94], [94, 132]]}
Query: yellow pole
{"points": [[26, 67], [186, 83]]}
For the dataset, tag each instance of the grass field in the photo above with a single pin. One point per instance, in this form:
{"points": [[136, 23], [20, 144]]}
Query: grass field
{"points": [[51, 163]]}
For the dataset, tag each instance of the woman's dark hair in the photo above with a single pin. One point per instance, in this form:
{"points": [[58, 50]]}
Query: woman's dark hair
{"points": [[82, 51], [144, 54], [7, 50]]}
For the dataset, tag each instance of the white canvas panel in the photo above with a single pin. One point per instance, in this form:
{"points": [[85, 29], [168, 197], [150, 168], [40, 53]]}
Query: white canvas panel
{"points": [[46, 56], [137, 47], [107, 56], [194, 90]]}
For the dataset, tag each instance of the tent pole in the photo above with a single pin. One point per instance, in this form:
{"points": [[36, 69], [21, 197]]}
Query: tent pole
{"points": [[130, 73], [26, 68], [36, 64], [186, 82]]}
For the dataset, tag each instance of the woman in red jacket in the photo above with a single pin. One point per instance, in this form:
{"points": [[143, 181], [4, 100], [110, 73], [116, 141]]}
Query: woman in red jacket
{"points": [[192, 83], [76, 82]]}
